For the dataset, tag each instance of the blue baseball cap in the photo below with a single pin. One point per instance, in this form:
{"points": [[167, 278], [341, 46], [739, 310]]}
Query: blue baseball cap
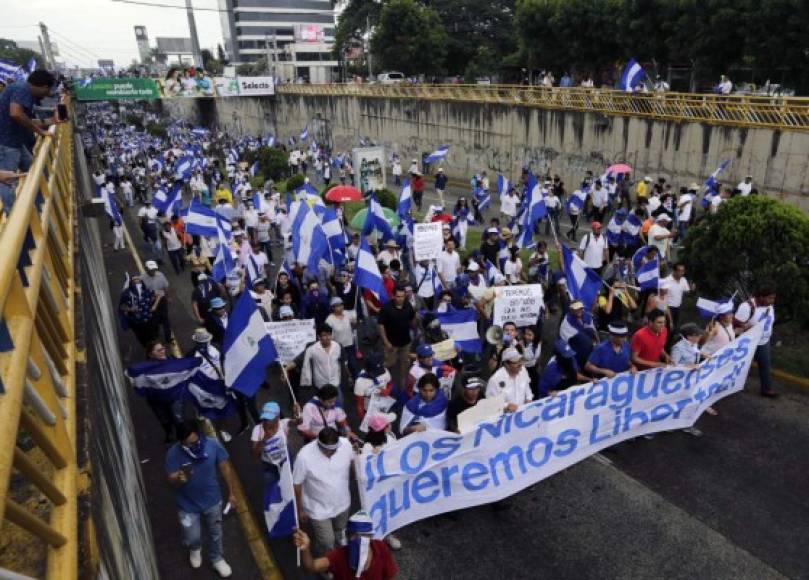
{"points": [[270, 411], [424, 350], [217, 302], [563, 349]]}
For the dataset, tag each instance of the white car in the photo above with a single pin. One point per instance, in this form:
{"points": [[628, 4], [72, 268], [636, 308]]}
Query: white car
{"points": [[390, 78]]}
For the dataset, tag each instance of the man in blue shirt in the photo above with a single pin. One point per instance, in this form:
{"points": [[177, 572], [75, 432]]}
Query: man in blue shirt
{"points": [[17, 127], [191, 466], [612, 356]]}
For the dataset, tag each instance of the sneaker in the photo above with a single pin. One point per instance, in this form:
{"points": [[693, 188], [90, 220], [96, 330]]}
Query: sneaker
{"points": [[343, 539], [195, 557], [226, 437], [223, 568], [393, 542], [693, 431]]}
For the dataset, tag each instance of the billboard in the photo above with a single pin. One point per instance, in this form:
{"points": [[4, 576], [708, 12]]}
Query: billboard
{"points": [[179, 84], [255, 86], [309, 33]]}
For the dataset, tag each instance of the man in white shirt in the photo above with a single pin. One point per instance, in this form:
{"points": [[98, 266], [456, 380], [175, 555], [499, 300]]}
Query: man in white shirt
{"points": [[725, 87], [322, 362], [127, 191], [390, 253], [511, 381], [396, 171], [593, 248], [477, 282], [718, 200], [746, 186], [414, 167], [677, 285], [685, 207], [659, 236], [423, 282], [449, 264], [508, 206], [760, 310], [601, 199], [321, 481]]}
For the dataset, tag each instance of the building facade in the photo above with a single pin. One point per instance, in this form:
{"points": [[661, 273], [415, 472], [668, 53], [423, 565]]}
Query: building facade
{"points": [[298, 35]]}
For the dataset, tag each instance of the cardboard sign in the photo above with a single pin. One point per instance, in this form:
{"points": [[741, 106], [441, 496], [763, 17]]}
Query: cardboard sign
{"points": [[291, 337], [518, 304], [428, 240]]}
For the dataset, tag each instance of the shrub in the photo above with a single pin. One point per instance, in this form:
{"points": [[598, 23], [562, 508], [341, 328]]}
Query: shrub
{"points": [[294, 182], [157, 130], [751, 241], [272, 163], [387, 198], [257, 181]]}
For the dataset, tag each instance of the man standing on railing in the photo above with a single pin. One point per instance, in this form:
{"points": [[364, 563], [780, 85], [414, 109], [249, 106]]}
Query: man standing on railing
{"points": [[18, 128]]}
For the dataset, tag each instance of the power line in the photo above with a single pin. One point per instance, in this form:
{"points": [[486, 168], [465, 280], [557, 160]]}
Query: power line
{"points": [[76, 45], [161, 5]]}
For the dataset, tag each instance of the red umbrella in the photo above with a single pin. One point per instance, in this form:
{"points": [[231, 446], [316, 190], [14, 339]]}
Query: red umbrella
{"points": [[343, 193]]}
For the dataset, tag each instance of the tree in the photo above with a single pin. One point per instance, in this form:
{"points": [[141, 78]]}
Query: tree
{"points": [[253, 69], [751, 241], [410, 38], [273, 163], [220, 55], [354, 23], [209, 63], [20, 56]]}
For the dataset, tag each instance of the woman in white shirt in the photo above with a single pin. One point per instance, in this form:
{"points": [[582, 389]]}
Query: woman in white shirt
{"points": [[720, 332], [513, 267]]}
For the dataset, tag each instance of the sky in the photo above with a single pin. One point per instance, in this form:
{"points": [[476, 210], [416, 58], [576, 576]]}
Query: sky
{"points": [[87, 30]]}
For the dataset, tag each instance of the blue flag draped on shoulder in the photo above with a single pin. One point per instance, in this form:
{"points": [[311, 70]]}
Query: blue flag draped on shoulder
{"points": [[279, 495], [583, 283], [200, 220], [632, 76], [162, 380], [111, 206], [247, 347], [648, 275], [368, 275], [437, 155], [462, 327]]}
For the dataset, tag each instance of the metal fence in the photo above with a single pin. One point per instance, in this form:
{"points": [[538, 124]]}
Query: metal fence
{"points": [[788, 113], [38, 472]]}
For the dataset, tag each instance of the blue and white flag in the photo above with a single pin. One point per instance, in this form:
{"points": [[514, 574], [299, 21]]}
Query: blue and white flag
{"points": [[155, 165], [164, 201], [711, 183], [224, 262], [437, 155], [309, 242], [632, 76], [503, 186], [631, 227], [367, 273], [162, 380], [711, 308], [484, 199], [493, 275], [648, 275], [305, 133], [534, 212], [435, 280], [638, 256], [252, 271], [254, 168], [375, 220], [279, 496], [184, 167], [200, 220], [462, 327], [335, 236], [583, 283], [32, 64], [247, 347], [9, 70], [111, 206], [405, 199], [576, 201], [615, 228], [210, 396]]}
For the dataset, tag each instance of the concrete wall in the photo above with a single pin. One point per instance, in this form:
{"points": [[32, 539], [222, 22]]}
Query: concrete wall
{"points": [[500, 138]]}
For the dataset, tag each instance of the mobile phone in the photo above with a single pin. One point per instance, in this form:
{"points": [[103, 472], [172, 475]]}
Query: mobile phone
{"points": [[61, 112], [186, 469]]}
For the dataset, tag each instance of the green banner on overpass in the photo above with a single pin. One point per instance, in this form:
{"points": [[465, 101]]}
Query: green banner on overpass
{"points": [[113, 89]]}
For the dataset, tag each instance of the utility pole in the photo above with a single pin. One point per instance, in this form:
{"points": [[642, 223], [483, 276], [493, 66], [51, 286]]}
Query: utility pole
{"points": [[42, 52], [192, 27], [46, 41], [269, 55]]}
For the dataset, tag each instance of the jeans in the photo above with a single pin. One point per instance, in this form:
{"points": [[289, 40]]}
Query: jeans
{"points": [[192, 530], [328, 532], [12, 159], [176, 257], [764, 362]]}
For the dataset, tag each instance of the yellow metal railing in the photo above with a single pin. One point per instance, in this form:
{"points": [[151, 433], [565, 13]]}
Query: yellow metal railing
{"points": [[38, 472], [788, 113]]}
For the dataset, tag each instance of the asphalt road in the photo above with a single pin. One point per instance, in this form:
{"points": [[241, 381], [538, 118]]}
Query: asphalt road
{"points": [[732, 504]]}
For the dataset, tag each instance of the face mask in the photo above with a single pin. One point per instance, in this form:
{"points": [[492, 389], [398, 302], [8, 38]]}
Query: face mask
{"points": [[196, 451], [139, 286], [358, 549]]}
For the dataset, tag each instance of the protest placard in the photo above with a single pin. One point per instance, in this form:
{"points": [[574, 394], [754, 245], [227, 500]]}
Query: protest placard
{"points": [[291, 337], [427, 241], [518, 304]]}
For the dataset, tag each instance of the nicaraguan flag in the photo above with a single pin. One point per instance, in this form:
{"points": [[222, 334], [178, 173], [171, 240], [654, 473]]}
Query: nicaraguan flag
{"points": [[462, 327], [111, 206], [247, 347], [632, 76], [163, 201], [637, 257], [405, 199], [270, 140], [252, 271], [209, 395], [711, 182], [233, 157], [583, 283], [279, 496], [631, 227], [648, 275], [503, 186], [8, 69], [163, 380], [534, 212], [375, 220], [438, 287], [493, 275], [368, 275], [200, 220], [199, 131], [335, 237], [224, 263], [155, 165], [308, 239], [254, 169], [576, 200], [184, 167], [710, 308], [615, 229], [305, 133], [437, 155], [32, 65]]}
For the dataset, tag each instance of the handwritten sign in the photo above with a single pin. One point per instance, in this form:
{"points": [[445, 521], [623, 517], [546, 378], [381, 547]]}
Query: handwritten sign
{"points": [[518, 304], [291, 337], [427, 240]]}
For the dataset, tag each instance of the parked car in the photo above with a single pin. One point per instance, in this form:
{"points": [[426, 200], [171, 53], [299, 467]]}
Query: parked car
{"points": [[390, 78]]}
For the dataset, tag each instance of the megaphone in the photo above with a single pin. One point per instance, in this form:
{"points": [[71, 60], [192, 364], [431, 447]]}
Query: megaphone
{"points": [[494, 335]]}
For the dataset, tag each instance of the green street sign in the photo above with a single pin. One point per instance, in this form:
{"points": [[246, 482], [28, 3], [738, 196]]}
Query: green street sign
{"points": [[113, 89]]}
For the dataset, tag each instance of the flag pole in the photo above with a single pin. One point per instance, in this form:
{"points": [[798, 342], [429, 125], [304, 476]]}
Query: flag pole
{"points": [[289, 385], [294, 503]]}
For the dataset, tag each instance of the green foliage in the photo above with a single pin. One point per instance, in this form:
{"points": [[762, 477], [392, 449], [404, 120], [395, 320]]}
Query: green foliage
{"points": [[751, 241], [257, 181], [352, 208], [387, 198], [136, 120], [272, 163], [410, 38], [20, 56], [257, 68], [294, 182], [353, 22], [157, 130], [211, 64]]}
